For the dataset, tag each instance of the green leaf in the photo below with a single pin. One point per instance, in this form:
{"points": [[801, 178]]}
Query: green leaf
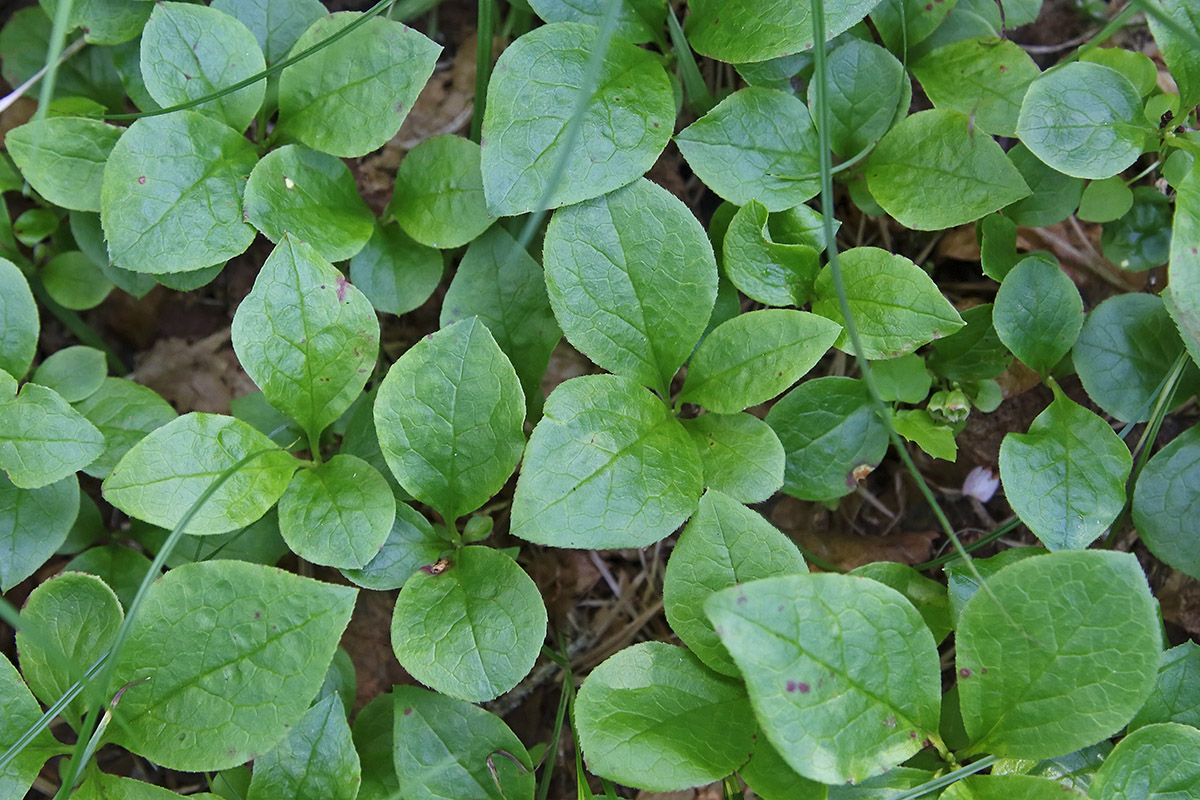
{"points": [[828, 428], [1176, 695], [608, 466], [104, 21], [1184, 266], [18, 321], [190, 51], [757, 144], [449, 416], [1178, 52], [438, 198], [842, 671], [755, 356], [258, 543], [121, 567], [446, 750], [67, 623], [983, 78], [652, 716], [937, 153], [89, 236], [337, 514], [75, 373], [372, 732], [63, 158], [1137, 67], [725, 544], [756, 30], [532, 95], [1164, 500], [904, 23], [1004, 787], [740, 454], [881, 787], [903, 379], [637, 20], [161, 476], [972, 353], [1054, 195], [1157, 761], [171, 199], [1038, 314], [1071, 771], [396, 273], [896, 305], [411, 544], [306, 336], [316, 761], [864, 82], [1141, 238], [1046, 672], [927, 596], [1083, 119], [1124, 352], [75, 281], [103, 786], [919, 427], [276, 24], [1065, 478], [34, 523], [123, 412], [961, 582], [498, 281], [257, 642], [471, 629], [773, 259], [43, 439], [632, 279], [19, 712], [772, 779], [24, 43], [312, 196], [372, 76], [1105, 200]]}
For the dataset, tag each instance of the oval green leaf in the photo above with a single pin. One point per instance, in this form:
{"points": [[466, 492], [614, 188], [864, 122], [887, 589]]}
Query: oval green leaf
{"points": [[1157, 762], [755, 30], [396, 273], [1166, 500], [865, 86], [984, 78], [75, 373], [276, 24], [123, 412], [316, 761], [438, 198], [43, 439], [18, 321], [1176, 695], [773, 260], [411, 544], [63, 158], [1038, 313], [740, 454], [34, 523]]}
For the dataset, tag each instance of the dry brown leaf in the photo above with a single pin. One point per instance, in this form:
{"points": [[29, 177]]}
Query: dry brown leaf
{"points": [[846, 549], [194, 376]]}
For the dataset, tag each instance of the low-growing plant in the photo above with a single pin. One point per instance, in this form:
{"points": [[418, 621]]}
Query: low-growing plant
{"points": [[721, 379]]}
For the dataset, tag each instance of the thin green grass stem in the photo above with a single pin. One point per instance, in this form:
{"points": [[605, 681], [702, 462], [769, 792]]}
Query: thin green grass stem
{"points": [[483, 63]]}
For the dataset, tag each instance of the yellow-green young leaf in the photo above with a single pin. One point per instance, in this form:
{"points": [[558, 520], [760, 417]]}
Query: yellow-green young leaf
{"points": [[1125, 350], [725, 544], [43, 439], [447, 749], [411, 544], [896, 305], [67, 623], [919, 427], [449, 416], [371, 76], [1038, 314], [104, 21], [123, 412], [534, 89], [396, 273], [637, 20], [63, 158], [338, 513], [653, 716], [755, 356], [498, 281], [740, 454], [1083, 119], [927, 596], [1157, 762], [1006, 787], [842, 671], [470, 627], [312, 196], [1042, 673], [608, 466], [316, 761], [1065, 478], [19, 712], [773, 259], [1184, 265], [1177, 51], [276, 24], [1166, 501], [983, 78], [757, 144], [161, 476], [306, 336], [632, 280], [865, 86], [938, 153], [171, 198], [828, 428], [755, 30], [438, 198], [772, 778], [75, 373], [34, 523], [18, 321], [234, 654], [1176, 695], [191, 51]]}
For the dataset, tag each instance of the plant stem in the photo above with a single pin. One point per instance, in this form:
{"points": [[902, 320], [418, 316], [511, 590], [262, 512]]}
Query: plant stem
{"points": [[483, 63]]}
